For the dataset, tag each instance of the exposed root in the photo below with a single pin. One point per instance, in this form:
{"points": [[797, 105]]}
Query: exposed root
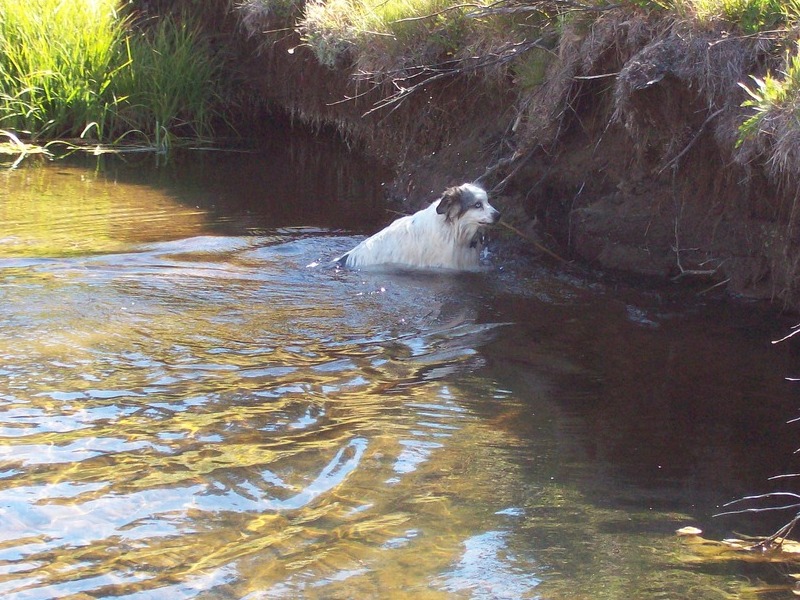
{"points": [[423, 76]]}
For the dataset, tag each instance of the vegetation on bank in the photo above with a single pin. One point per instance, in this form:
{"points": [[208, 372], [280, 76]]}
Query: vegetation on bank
{"points": [[71, 69], [100, 71], [401, 41], [333, 27]]}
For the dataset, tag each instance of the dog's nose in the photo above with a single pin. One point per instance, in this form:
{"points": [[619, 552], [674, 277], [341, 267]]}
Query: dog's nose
{"points": [[496, 216]]}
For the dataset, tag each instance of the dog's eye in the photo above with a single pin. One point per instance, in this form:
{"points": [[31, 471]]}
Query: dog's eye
{"points": [[478, 204]]}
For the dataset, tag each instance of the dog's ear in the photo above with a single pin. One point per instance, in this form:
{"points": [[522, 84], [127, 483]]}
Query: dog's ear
{"points": [[450, 203]]}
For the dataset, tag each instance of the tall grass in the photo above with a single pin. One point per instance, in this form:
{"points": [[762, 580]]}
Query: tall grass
{"points": [[173, 82], [57, 63], [79, 67]]}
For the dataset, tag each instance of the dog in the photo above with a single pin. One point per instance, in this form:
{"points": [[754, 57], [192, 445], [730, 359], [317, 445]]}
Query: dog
{"points": [[448, 234]]}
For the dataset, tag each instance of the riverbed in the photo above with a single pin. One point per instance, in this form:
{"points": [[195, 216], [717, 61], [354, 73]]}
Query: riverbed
{"points": [[193, 404]]}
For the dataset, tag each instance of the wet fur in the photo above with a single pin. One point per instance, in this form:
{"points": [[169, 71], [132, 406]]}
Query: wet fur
{"points": [[446, 234]]}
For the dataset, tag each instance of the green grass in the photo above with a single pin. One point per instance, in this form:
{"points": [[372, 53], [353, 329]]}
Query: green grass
{"points": [[332, 27], [82, 68], [750, 16], [773, 96], [57, 62], [71, 68], [172, 83]]}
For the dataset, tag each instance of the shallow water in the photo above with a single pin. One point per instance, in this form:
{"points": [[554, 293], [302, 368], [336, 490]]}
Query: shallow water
{"points": [[187, 410]]}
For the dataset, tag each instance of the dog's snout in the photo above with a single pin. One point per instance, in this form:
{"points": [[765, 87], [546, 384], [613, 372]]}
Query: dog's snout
{"points": [[496, 214]]}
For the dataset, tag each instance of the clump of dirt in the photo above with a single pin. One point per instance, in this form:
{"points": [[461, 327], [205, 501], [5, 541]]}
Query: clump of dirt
{"points": [[624, 156]]}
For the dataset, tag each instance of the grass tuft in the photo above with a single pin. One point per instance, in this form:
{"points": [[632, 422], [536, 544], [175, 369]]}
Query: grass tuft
{"points": [[57, 61], [749, 16], [773, 98], [170, 85], [81, 68]]}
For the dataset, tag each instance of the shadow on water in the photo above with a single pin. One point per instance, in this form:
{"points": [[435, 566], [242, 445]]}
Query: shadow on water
{"points": [[188, 411]]}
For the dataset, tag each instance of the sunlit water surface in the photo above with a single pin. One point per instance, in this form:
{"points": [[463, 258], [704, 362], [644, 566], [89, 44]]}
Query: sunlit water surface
{"points": [[187, 410]]}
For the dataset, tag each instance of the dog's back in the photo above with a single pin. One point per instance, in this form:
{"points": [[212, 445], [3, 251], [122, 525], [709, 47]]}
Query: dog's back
{"points": [[443, 235]]}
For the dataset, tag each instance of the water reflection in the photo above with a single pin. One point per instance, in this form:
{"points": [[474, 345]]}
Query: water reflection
{"points": [[38, 210], [184, 414], [485, 572], [190, 412]]}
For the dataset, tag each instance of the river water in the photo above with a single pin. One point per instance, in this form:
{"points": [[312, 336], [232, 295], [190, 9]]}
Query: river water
{"points": [[188, 410]]}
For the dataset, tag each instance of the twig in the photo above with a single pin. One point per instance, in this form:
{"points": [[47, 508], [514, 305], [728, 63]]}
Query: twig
{"points": [[677, 250], [600, 76], [535, 243], [761, 497], [716, 285], [691, 143], [760, 509], [441, 12], [442, 71], [757, 510], [795, 332], [501, 186], [782, 533]]}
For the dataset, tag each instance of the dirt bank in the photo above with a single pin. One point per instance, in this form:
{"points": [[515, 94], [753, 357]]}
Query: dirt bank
{"points": [[624, 156]]}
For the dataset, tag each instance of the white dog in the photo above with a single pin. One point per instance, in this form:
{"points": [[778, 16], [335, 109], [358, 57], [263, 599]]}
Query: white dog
{"points": [[446, 235]]}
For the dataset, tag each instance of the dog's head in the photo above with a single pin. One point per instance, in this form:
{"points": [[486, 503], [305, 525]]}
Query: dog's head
{"points": [[469, 205]]}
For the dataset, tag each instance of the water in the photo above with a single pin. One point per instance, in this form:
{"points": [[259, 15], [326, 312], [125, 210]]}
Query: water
{"points": [[189, 411]]}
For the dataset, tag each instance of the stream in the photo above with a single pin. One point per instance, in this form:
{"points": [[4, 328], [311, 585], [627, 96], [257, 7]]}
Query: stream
{"points": [[189, 410]]}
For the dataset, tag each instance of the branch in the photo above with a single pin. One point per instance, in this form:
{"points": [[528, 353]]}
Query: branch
{"points": [[761, 497], [764, 509], [786, 337], [688, 147], [757, 510], [443, 71], [687, 272], [509, 7], [547, 251], [445, 10]]}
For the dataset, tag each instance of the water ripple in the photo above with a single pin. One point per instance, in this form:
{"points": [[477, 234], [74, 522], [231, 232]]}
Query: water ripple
{"points": [[170, 392]]}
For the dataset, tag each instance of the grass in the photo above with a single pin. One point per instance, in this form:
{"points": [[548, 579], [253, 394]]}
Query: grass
{"points": [[427, 32], [85, 69], [771, 95], [17, 149], [170, 85], [57, 63], [749, 16], [331, 27], [80, 68], [774, 99], [388, 26], [774, 122]]}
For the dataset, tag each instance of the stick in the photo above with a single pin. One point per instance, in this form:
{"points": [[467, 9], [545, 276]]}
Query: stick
{"points": [[535, 243]]}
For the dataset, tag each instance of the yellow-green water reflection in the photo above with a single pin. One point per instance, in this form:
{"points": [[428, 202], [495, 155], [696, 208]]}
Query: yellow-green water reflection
{"points": [[185, 414], [66, 210]]}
